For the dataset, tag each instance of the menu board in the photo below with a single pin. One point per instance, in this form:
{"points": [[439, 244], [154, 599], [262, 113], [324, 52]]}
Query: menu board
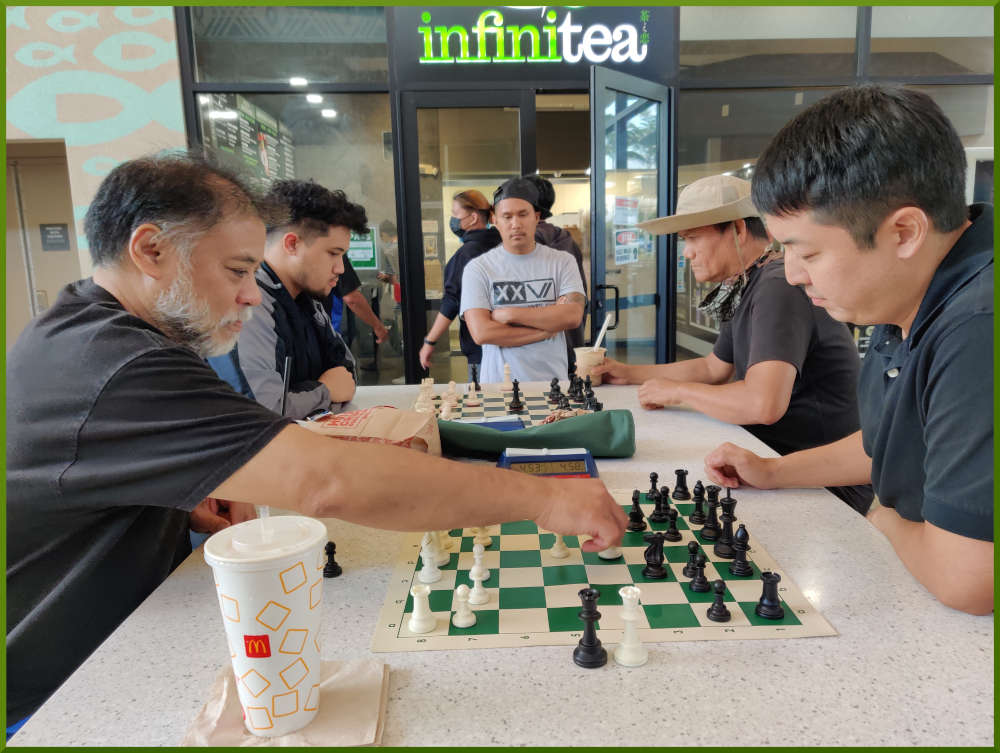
{"points": [[250, 139]]}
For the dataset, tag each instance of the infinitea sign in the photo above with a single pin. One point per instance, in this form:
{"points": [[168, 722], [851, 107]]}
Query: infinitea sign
{"points": [[457, 44]]}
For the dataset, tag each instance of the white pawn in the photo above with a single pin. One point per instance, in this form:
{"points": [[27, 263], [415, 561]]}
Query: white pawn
{"points": [[472, 398], [421, 619], [478, 595], [429, 573], [481, 537], [445, 412], [464, 617], [452, 393], [631, 652], [611, 553], [559, 549], [477, 554]]}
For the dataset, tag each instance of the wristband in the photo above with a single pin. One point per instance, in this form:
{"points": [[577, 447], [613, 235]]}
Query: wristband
{"points": [[429, 342]]}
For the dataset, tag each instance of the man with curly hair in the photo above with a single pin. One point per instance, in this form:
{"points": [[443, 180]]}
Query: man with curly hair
{"points": [[303, 260]]}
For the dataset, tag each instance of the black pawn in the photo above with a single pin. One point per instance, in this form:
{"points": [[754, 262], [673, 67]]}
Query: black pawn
{"points": [[681, 485], [741, 543], [654, 569], [699, 583], [672, 534], [589, 652], [769, 605], [653, 478], [691, 568], [598, 406], [331, 569], [698, 514], [719, 612], [588, 384], [636, 520], [554, 391], [711, 530], [563, 402]]}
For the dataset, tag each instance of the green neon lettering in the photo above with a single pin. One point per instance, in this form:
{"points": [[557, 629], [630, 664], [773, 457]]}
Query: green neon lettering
{"points": [[445, 33]]}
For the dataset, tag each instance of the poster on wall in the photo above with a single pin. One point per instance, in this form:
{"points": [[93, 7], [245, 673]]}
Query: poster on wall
{"points": [[286, 152], [247, 122], [626, 211], [225, 133], [268, 145]]}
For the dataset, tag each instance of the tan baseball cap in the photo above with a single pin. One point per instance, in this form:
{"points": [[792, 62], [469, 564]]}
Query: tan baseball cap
{"points": [[717, 198]]}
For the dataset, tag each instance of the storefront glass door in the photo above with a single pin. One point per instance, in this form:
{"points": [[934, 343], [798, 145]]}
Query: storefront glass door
{"points": [[629, 184]]}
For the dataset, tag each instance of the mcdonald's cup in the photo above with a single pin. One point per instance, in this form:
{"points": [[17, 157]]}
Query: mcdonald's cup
{"points": [[269, 582]]}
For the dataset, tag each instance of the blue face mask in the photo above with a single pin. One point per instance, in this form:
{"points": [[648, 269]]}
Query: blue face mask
{"points": [[456, 227]]}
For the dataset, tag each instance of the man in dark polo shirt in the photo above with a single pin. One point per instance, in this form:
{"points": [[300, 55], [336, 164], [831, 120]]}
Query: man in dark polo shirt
{"points": [[866, 191], [781, 368], [120, 436]]}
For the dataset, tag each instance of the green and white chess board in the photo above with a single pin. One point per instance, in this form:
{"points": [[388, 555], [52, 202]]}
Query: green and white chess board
{"points": [[533, 597]]}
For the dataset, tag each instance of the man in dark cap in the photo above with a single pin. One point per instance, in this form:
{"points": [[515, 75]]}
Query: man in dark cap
{"points": [[520, 298]]}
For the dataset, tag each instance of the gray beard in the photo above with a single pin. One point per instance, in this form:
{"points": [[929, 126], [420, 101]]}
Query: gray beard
{"points": [[187, 319]]}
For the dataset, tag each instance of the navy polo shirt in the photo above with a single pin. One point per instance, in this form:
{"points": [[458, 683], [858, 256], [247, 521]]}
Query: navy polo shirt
{"points": [[927, 401]]}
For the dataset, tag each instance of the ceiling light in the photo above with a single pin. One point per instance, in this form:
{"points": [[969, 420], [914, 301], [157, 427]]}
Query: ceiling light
{"points": [[297, 81], [314, 98], [328, 112]]}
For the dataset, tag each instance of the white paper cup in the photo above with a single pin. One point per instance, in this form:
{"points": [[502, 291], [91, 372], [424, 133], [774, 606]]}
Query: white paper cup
{"points": [[269, 581], [586, 360]]}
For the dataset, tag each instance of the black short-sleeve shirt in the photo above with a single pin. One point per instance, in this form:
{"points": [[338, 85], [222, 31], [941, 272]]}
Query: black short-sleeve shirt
{"points": [[348, 282], [927, 400], [114, 433], [776, 321]]}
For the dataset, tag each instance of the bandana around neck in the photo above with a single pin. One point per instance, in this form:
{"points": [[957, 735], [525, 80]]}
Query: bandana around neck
{"points": [[723, 300]]}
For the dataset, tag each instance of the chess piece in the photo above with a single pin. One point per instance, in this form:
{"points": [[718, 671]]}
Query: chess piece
{"points": [[659, 515], [711, 530], [477, 555], [719, 612], [478, 594], [654, 569], [516, 406], [598, 406], [691, 568], [429, 572], [472, 396], [481, 537], [769, 605], [729, 503], [475, 377], [445, 412], [588, 384], [563, 402], [653, 491], [554, 391], [464, 617], [698, 514], [611, 553], [681, 485], [636, 519], [421, 619], [442, 557], [672, 534], [571, 371], [724, 542], [630, 652], [506, 386], [699, 583], [445, 541], [331, 569], [741, 543], [589, 653], [559, 549]]}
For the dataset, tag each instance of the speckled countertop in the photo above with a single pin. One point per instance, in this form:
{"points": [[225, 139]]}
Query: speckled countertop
{"points": [[904, 670]]}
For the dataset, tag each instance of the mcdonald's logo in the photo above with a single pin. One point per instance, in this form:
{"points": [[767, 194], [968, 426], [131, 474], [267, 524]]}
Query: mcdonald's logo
{"points": [[257, 646]]}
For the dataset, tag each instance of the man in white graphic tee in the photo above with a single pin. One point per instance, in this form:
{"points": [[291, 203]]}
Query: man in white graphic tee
{"points": [[520, 298]]}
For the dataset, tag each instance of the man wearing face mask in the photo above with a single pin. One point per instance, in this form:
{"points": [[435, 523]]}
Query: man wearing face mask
{"points": [[470, 215], [781, 367]]}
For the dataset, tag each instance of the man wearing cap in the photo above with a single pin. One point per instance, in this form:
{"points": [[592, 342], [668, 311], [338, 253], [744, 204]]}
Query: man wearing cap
{"points": [[520, 298], [781, 367]]}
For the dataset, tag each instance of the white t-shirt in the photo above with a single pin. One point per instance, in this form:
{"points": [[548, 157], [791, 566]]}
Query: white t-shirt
{"points": [[500, 279]]}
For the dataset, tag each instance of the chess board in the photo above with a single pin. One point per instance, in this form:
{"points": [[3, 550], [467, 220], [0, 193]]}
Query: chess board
{"points": [[536, 406], [533, 597]]}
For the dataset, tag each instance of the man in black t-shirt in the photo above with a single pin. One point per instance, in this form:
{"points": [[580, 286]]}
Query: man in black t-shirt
{"points": [[120, 436], [865, 189], [781, 367]]}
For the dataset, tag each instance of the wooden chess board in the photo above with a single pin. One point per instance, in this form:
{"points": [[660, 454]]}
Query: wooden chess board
{"points": [[533, 597]]}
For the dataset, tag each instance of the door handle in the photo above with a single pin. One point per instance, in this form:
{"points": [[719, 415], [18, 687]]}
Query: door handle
{"points": [[614, 288]]}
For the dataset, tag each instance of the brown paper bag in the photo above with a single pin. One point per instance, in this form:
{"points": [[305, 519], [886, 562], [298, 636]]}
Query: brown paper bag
{"points": [[383, 424]]}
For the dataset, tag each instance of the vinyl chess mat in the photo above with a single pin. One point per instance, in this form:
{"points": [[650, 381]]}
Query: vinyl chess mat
{"points": [[536, 406], [533, 597]]}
